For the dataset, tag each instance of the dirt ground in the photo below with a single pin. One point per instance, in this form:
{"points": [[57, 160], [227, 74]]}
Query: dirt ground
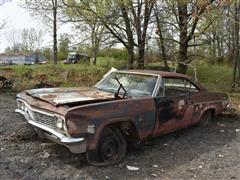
{"points": [[212, 152]]}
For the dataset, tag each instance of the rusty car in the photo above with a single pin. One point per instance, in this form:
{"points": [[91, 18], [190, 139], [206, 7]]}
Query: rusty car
{"points": [[125, 108]]}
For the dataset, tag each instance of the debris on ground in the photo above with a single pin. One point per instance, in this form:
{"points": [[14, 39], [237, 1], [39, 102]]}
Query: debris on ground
{"points": [[153, 174], [221, 125], [45, 155], [6, 83], [132, 168], [220, 155], [156, 166]]}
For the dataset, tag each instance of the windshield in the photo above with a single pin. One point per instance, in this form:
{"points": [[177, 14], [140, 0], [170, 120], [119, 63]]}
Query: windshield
{"points": [[71, 56], [136, 85]]}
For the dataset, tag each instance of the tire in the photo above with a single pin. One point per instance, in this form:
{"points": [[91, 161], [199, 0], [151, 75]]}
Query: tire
{"points": [[111, 148], [206, 118]]}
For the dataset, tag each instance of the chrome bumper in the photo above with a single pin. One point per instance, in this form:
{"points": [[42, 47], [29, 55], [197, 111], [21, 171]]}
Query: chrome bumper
{"points": [[75, 145]]}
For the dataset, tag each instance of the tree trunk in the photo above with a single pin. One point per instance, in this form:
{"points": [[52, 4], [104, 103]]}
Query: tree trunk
{"points": [[182, 68], [236, 45], [214, 51], [94, 56], [237, 30], [130, 57], [183, 47], [141, 52], [55, 32], [161, 39]]}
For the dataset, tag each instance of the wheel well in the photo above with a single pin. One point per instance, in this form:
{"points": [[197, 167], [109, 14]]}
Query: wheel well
{"points": [[213, 111], [129, 131]]}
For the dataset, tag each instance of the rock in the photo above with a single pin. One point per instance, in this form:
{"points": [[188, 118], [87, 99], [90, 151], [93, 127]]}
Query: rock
{"points": [[237, 130], [43, 145], [45, 155], [200, 167], [221, 125], [222, 130], [220, 155], [132, 168], [43, 164], [154, 175], [156, 166], [107, 177]]}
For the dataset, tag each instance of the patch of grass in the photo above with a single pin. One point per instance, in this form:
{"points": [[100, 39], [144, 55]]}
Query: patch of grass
{"points": [[214, 77], [111, 62], [26, 77]]}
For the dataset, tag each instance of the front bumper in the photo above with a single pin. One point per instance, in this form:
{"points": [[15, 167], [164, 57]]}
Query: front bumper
{"points": [[75, 145]]}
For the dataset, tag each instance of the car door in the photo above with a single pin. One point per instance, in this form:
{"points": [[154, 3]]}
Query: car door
{"points": [[173, 105]]}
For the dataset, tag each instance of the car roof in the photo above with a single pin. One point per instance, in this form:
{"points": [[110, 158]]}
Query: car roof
{"points": [[166, 74], [158, 73]]}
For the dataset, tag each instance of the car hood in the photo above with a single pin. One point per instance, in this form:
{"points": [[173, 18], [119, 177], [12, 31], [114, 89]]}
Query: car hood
{"points": [[60, 96]]}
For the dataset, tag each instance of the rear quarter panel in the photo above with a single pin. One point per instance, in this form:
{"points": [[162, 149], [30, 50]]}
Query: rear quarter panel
{"points": [[208, 100]]}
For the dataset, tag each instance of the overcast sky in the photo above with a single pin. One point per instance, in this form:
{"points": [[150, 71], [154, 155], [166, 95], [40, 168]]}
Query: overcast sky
{"points": [[19, 18]]}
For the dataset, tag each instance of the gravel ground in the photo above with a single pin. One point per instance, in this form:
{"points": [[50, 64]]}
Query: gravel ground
{"points": [[212, 152]]}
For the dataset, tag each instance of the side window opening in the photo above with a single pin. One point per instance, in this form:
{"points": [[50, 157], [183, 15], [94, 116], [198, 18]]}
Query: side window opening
{"points": [[175, 86]]}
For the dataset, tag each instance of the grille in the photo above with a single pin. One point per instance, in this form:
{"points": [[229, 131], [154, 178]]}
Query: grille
{"points": [[44, 119]]}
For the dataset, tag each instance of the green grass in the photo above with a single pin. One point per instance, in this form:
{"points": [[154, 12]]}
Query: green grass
{"points": [[111, 62], [26, 77], [213, 77]]}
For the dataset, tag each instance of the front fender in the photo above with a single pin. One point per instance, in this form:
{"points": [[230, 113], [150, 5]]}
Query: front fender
{"points": [[141, 112]]}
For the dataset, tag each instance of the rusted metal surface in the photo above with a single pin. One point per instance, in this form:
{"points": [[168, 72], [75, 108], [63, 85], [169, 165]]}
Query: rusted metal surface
{"points": [[59, 96], [88, 111]]}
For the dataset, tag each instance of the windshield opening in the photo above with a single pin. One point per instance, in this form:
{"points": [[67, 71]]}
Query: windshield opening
{"points": [[136, 85]]}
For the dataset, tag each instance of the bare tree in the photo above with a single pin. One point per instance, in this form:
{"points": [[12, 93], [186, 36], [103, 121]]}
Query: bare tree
{"points": [[88, 26], [48, 10], [14, 39], [127, 21], [3, 22], [159, 31], [26, 40], [31, 39]]}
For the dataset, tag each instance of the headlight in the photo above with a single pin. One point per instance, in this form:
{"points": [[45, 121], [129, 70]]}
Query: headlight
{"points": [[59, 122]]}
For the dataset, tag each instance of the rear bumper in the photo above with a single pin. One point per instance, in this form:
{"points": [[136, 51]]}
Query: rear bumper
{"points": [[75, 145]]}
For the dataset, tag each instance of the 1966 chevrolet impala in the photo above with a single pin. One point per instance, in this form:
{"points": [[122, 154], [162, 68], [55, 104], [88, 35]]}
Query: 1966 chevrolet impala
{"points": [[124, 108]]}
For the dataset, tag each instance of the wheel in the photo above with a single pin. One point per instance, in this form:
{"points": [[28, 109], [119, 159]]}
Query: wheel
{"points": [[111, 148], [206, 118]]}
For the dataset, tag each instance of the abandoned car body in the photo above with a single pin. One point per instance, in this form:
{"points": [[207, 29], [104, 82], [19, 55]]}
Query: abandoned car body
{"points": [[125, 107]]}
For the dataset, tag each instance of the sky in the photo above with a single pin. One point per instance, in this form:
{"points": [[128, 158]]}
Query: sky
{"points": [[18, 18]]}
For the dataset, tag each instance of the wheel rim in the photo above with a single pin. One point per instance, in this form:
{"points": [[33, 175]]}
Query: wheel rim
{"points": [[109, 149]]}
